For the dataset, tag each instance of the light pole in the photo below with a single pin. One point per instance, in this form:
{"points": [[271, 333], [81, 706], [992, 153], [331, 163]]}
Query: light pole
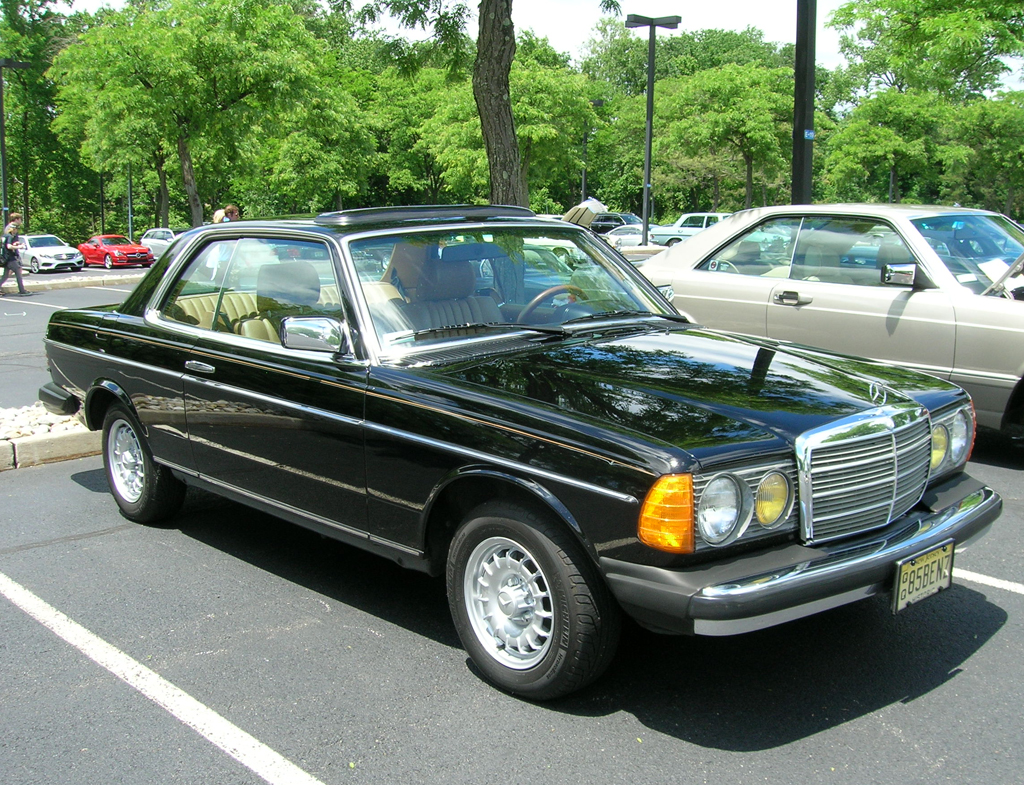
{"points": [[803, 101], [670, 23], [5, 63]]}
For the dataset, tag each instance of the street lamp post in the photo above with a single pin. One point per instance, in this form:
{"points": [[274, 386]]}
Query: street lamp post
{"points": [[670, 23], [5, 63]]}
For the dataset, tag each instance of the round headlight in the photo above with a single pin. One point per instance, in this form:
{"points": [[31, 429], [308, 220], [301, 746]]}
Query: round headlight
{"points": [[771, 502], [719, 512], [959, 436], [940, 444]]}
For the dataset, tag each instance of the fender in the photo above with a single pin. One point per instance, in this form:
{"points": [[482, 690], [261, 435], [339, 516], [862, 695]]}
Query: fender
{"points": [[531, 487], [99, 390]]}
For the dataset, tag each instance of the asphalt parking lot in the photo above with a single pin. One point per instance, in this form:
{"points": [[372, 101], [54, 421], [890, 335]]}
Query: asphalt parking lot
{"points": [[227, 646]]}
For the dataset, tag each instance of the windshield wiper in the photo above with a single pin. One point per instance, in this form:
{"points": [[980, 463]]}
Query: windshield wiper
{"points": [[593, 317], [452, 328], [1011, 271]]}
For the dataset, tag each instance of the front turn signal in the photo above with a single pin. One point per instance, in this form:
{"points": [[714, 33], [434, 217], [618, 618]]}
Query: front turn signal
{"points": [[666, 518]]}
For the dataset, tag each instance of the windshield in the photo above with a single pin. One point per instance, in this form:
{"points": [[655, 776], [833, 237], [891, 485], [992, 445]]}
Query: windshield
{"points": [[44, 241], [977, 249], [424, 286], [115, 241]]}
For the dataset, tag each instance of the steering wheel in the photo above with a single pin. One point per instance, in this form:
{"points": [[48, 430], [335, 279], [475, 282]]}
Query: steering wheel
{"points": [[547, 294], [726, 267]]}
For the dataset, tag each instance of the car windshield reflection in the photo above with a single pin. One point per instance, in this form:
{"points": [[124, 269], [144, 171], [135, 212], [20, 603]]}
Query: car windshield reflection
{"points": [[977, 249], [431, 287]]}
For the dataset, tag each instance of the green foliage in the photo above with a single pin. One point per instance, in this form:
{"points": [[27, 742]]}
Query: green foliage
{"points": [[952, 47], [296, 107]]}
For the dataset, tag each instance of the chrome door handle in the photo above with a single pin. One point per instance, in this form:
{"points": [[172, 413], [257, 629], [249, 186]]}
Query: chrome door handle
{"points": [[198, 367], [791, 298]]}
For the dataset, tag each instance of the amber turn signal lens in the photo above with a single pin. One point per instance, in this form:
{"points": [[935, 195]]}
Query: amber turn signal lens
{"points": [[666, 518]]}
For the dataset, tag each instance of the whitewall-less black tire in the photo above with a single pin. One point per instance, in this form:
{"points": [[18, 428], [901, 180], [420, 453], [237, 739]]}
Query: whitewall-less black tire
{"points": [[145, 491], [529, 606]]}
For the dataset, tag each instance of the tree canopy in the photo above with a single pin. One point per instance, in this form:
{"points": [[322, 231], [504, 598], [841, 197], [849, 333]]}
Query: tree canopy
{"points": [[303, 107]]}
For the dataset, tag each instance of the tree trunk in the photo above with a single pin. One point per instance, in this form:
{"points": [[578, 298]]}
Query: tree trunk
{"points": [[163, 199], [496, 46], [1008, 207], [748, 161], [188, 177]]}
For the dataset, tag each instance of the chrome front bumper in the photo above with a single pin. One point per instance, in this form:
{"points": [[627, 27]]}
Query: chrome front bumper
{"points": [[753, 591]]}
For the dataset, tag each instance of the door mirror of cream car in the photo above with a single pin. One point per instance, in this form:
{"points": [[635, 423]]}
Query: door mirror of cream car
{"points": [[899, 274]]}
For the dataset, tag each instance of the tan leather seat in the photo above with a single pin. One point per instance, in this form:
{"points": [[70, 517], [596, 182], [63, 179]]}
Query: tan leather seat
{"points": [[444, 294], [288, 289]]}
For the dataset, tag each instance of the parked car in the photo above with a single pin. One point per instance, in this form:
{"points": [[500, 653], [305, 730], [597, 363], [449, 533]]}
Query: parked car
{"points": [[157, 239], [915, 286], [440, 387], [48, 253], [604, 222], [627, 236], [114, 250], [685, 227]]}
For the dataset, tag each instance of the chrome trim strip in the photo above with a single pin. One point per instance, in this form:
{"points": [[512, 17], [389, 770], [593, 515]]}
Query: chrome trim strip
{"points": [[272, 400], [107, 358], [358, 533], [714, 627], [493, 459], [451, 448]]}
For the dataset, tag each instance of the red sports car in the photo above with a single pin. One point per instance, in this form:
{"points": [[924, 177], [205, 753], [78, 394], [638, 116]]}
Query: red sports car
{"points": [[114, 250]]}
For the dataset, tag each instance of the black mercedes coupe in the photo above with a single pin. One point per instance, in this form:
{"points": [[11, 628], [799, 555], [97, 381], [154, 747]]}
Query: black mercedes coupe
{"points": [[502, 399]]}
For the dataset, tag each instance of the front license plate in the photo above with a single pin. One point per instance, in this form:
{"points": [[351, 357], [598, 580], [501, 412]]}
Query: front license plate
{"points": [[923, 575]]}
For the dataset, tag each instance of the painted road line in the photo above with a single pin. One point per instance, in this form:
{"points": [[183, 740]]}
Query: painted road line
{"points": [[245, 749], [996, 583]]}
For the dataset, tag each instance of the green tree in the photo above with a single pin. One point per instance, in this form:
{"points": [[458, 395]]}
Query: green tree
{"points": [[891, 148], [188, 74], [745, 110], [950, 46], [492, 67]]}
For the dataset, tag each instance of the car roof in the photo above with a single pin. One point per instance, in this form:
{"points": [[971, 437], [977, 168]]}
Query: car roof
{"points": [[361, 220]]}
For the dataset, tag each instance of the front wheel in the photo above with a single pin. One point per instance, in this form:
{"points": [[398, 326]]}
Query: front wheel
{"points": [[528, 605], [108, 262], [33, 265], [145, 491]]}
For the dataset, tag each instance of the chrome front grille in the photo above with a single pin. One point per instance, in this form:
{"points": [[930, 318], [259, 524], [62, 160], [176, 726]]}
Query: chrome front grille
{"points": [[863, 472]]}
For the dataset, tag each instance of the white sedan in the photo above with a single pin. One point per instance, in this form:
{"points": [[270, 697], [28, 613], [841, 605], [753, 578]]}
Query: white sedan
{"points": [[47, 252]]}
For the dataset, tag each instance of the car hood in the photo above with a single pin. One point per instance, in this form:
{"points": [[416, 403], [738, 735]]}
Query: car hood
{"points": [[695, 389], [52, 249]]}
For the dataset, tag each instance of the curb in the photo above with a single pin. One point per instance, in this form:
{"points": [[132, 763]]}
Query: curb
{"points": [[37, 282], [48, 448]]}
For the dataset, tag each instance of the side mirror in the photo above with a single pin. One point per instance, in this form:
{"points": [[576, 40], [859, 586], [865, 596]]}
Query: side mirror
{"points": [[315, 334], [899, 274]]}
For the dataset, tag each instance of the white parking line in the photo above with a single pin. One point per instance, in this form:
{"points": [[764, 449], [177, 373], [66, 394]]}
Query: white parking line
{"points": [[245, 749], [996, 583], [38, 303]]}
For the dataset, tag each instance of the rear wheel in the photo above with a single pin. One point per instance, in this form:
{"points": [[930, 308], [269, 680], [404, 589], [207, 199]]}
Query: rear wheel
{"points": [[529, 606], [145, 491]]}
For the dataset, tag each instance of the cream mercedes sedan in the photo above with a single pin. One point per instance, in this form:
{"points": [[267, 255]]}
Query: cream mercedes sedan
{"points": [[929, 288]]}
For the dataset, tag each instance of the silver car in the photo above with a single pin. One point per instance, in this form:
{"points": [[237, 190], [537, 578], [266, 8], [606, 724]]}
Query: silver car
{"points": [[48, 253], [929, 288], [157, 240], [685, 227]]}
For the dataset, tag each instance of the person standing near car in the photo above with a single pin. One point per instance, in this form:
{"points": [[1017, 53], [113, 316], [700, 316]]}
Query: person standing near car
{"points": [[11, 244]]}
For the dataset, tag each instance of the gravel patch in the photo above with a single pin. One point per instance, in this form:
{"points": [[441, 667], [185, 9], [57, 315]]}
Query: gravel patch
{"points": [[34, 420]]}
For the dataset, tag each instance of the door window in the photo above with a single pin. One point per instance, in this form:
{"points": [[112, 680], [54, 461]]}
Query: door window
{"points": [[765, 250], [248, 286]]}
